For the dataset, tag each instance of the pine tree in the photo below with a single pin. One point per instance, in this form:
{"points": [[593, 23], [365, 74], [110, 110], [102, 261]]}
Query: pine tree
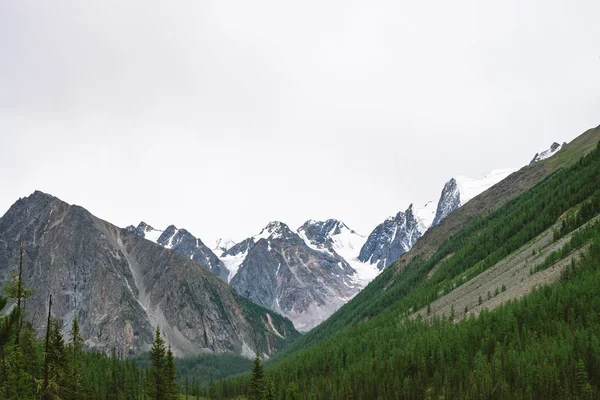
{"points": [[257, 384], [157, 382], [171, 376], [74, 362], [54, 360]]}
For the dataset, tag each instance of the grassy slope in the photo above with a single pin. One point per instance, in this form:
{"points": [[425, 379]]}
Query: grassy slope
{"points": [[509, 351], [380, 294]]}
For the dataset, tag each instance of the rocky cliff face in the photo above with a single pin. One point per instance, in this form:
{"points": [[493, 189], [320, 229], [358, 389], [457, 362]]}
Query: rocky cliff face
{"points": [[280, 271], [449, 201], [392, 238], [183, 242], [122, 286]]}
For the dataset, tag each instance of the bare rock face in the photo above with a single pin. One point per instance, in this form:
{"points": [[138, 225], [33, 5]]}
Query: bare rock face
{"points": [[280, 271], [449, 201], [392, 238], [122, 286], [183, 242]]}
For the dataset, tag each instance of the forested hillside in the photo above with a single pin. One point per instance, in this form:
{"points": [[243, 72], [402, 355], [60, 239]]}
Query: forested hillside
{"points": [[544, 344]]}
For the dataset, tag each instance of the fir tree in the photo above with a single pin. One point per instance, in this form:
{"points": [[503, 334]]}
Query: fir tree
{"points": [[257, 384], [171, 375], [157, 382], [74, 362]]}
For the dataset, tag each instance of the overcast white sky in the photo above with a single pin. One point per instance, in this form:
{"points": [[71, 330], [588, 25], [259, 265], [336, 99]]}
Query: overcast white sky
{"points": [[219, 116]]}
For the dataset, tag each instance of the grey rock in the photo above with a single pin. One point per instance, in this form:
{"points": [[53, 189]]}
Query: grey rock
{"points": [[449, 201], [183, 242], [390, 239], [283, 273]]}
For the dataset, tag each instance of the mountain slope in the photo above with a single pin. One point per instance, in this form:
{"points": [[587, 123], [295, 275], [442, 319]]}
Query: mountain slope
{"points": [[183, 242], [282, 272], [411, 268], [371, 348], [122, 286]]}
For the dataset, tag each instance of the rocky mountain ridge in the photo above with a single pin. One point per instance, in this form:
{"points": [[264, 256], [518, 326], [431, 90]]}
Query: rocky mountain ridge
{"points": [[362, 258], [122, 286]]}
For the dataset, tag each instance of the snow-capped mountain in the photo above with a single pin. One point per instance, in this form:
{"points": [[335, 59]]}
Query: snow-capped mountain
{"points": [[555, 148], [281, 271], [458, 191], [184, 243], [394, 237], [335, 237]]}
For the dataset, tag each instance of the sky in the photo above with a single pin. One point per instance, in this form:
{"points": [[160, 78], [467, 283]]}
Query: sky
{"points": [[220, 116]]}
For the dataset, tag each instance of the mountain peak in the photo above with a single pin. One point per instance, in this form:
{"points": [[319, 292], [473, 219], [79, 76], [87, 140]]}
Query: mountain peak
{"points": [[274, 230]]}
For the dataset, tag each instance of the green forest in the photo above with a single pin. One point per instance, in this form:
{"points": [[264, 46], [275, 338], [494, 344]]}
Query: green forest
{"points": [[545, 345]]}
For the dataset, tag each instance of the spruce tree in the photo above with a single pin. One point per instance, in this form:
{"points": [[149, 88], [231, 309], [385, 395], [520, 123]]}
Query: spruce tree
{"points": [[257, 384], [157, 382], [171, 376], [74, 362]]}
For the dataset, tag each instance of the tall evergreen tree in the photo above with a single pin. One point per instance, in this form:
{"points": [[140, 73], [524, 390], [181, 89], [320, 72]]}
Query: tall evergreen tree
{"points": [[157, 382], [170, 374], [257, 384], [74, 362]]}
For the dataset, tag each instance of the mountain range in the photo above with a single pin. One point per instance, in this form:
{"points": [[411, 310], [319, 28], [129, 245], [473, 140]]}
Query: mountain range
{"points": [[307, 274], [122, 283], [122, 287]]}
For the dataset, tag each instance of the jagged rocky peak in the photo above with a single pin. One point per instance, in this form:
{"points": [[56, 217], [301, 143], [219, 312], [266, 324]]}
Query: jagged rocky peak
{"points": [[321, 232], [275, 230], [183, 242], [460, 190], [284, 271], [392, 238], [554, 148], [167, 236], [449, 201], [146, 231]]}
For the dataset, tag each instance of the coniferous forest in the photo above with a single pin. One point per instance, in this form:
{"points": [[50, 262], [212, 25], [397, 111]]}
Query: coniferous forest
{"points": [[545, 344]]}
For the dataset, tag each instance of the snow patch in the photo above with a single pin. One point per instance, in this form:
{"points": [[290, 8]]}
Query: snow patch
{"points": [[425, 216], [152, 234], [470, 187], [555, 148], [232, 263]]}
